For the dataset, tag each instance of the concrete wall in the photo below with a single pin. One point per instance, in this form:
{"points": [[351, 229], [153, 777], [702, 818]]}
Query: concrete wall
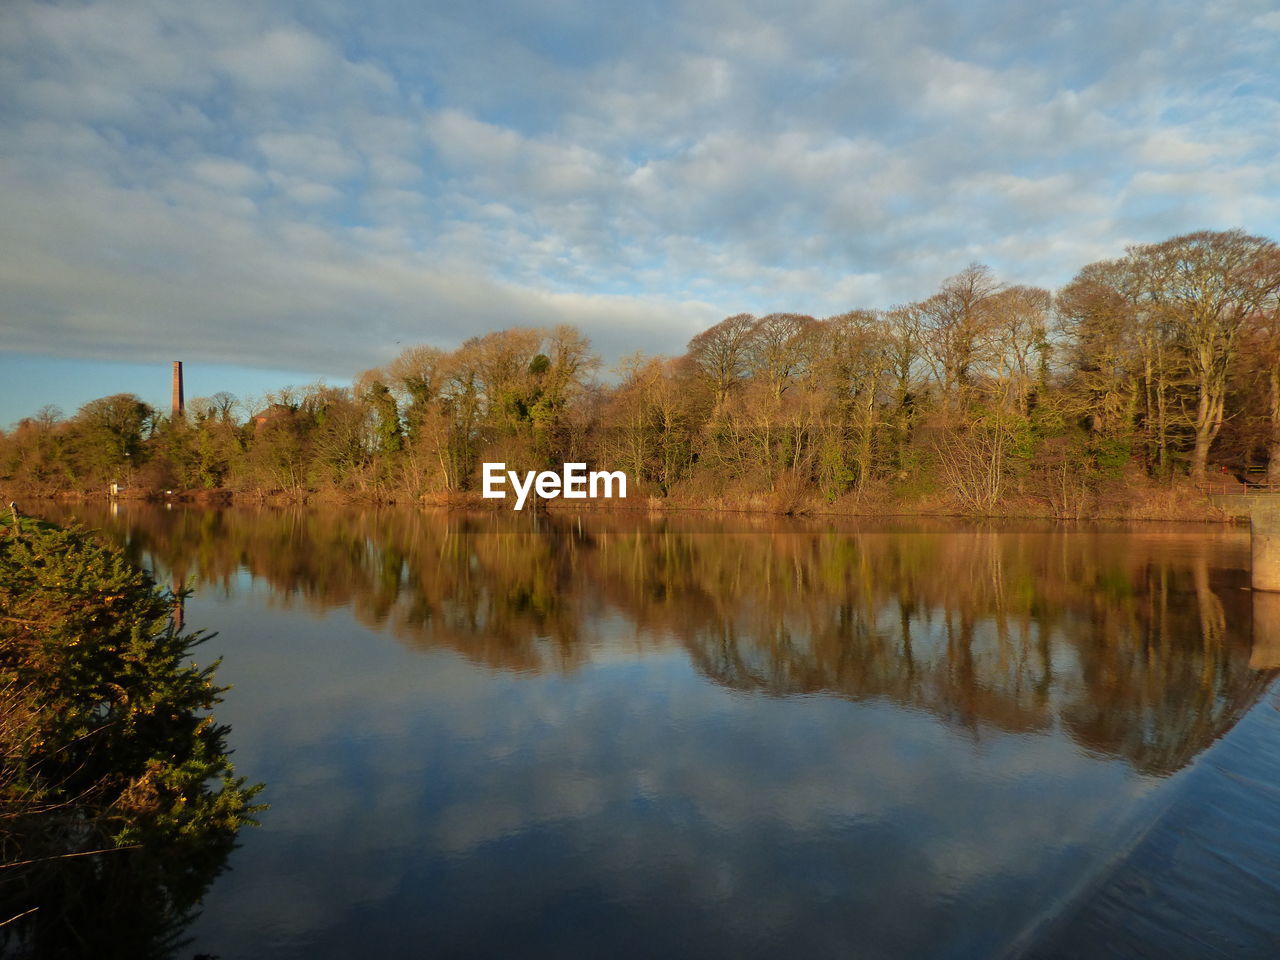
{"points": [[1266, 543], [1238, 505]]}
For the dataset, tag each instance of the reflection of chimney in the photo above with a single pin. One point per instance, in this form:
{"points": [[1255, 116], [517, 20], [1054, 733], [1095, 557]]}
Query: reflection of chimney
{"points": [[178, 405]]}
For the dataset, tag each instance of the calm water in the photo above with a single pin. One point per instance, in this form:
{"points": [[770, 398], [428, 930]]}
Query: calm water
{"points": [[501, 736]]}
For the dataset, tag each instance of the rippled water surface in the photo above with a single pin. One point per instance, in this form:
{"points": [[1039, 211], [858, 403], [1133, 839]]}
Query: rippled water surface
{"points": [[494, 736]]}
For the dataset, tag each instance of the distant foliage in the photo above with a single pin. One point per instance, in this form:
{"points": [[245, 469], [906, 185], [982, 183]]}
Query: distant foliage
{"points": [[982, 394]]}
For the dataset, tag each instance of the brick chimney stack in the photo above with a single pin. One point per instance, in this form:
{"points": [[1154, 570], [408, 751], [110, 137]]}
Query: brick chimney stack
{"points": [[178, 405]]}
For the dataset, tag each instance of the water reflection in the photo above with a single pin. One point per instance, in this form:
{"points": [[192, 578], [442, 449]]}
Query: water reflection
{"points": [[638, 737], [1136, 644], [125, 905]]}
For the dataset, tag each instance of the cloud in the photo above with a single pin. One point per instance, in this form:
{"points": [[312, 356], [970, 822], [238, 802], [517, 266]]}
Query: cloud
{"points": [[229, 175], [249, 180], [227, 289], [280, 58], [321, 157]]}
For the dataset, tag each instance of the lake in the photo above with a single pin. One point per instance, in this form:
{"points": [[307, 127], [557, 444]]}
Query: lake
{"points": [[497, 735]]}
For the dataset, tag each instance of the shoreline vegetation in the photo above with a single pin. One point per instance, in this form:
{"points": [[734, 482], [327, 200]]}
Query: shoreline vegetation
{"points": [[1155, 502], [118, 801], [1127, 394]]}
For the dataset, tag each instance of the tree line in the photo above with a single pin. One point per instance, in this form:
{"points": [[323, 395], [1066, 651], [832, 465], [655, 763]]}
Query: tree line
{"points": [[1159, 365]]}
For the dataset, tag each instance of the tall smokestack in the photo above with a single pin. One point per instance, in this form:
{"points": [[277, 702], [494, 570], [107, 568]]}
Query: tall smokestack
{"points": [[178, 405]]}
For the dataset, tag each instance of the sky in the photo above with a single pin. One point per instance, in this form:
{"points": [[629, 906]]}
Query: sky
{"points": [[282, 192]]}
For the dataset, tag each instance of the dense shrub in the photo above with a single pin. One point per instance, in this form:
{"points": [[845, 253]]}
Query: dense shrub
{"points": [[107, 745]]}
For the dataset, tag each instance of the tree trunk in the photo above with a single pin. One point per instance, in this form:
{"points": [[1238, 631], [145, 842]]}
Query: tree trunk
{"points": [[865, 439], [1273, 448], [1209, 413], [1200, 457], [1153, 458]]}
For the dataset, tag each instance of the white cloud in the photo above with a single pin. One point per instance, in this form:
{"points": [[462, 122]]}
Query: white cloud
{"points": [[280, 58], [319, 157], [215, 286], [1173, 148], [226, 174], [343, 173]]}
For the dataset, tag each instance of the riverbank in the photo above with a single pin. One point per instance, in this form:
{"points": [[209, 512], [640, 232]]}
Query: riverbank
{"points": [[1139, 500]]}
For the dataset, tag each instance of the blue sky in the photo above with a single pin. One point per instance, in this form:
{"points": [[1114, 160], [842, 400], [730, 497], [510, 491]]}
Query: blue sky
{"points": [[277, 192]]}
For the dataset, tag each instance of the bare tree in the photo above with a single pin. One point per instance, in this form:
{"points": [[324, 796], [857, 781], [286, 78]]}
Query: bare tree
{"points": [[955, 327], [1128, 370], [1208, 285], [1097, 316], [224, 405], [1272, 357], [779, 349], [903, 346], [722, 353], [858, 367], [1019, 337], [502, 364]]}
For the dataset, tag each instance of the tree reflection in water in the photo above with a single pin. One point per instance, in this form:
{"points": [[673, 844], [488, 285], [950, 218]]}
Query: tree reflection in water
{"points": [[126, 904], [1136, 642]]}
